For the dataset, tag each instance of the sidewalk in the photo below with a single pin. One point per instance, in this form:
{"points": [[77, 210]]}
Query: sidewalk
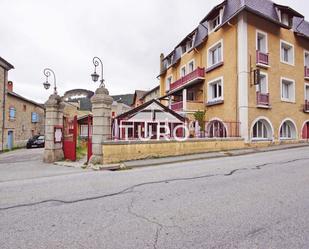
{"points": [[177, 159]]}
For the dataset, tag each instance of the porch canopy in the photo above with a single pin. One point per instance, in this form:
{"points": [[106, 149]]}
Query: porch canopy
{"points": [[143, 121]]}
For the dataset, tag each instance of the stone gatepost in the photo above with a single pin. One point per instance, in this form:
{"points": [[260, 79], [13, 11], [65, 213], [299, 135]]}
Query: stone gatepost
{"points": [[53, 118], [101, 131]]}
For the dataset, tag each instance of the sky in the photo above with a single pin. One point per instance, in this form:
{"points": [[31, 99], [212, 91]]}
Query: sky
{"points": [[128, 35]]}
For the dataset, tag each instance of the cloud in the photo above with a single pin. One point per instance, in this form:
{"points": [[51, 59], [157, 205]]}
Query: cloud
{"points": [[65, 35]]}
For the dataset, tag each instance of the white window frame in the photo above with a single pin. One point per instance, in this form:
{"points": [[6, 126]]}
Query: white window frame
{"points": [[183, 67], [166, 82], [183, 53], [193, 62], [292, 100], [211, 48], [210, 22], [305, 91], [258, 86], [293, 130], [293, 53], [256, 40], [209, 93]]}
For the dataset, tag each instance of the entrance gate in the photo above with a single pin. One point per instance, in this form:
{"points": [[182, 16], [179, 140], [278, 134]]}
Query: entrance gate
{"points": [[69, 138], [89, 140]]}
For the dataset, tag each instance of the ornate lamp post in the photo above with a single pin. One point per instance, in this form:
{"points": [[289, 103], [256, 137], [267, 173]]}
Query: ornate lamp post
{"points": [[95, 77], [47, 72]]}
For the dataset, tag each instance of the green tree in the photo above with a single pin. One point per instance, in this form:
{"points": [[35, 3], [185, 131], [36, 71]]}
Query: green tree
{"points": [[200, 118]]}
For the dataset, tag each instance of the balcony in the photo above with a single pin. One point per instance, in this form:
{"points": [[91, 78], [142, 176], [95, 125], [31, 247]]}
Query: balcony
{"points": [[306, 106], [190, 106], [177, 106], [262, 100], [306, 72], [189, 79], [262, 59]]}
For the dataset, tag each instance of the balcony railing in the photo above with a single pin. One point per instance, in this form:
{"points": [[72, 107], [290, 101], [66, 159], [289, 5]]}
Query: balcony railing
{"points": [[306, 106], [262, 99], [262, 58], [177, 106], [197, 74], [306, 72]]}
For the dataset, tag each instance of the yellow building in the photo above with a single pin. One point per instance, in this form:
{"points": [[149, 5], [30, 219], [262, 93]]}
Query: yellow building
{"points": [[247, 66]]}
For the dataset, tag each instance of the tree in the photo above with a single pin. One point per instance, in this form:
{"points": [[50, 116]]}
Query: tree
{"points": [[200, 118]]}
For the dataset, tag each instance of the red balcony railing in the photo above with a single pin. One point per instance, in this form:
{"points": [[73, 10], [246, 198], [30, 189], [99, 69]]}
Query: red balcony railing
{"points": [[178, 106], [196, 74], [262, 98], [306, 72], [262, 58], [306, 106]]}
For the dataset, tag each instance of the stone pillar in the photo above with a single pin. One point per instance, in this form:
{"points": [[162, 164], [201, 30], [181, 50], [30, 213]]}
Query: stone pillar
{"points": [[53, 117], [101, 131]]}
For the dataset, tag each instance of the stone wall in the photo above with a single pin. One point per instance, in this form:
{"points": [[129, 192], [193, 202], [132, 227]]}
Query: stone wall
{"points": [[118, 151]]}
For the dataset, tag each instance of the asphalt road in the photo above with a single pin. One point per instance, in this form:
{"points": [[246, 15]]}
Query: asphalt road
{"points": [[253, 201]]}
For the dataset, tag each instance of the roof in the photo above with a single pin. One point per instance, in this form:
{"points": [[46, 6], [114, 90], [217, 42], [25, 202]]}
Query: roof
{"points": [[5, 64], [138, 95], [264, 8], [151, 91], [143, 106], [25, 99], [124, 98]]}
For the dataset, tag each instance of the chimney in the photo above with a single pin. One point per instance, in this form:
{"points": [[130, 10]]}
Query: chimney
{"points": [[10, 86], [161, 62]]}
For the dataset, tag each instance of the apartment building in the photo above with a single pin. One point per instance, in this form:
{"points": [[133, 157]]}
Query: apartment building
{"points": [[247, 66]]}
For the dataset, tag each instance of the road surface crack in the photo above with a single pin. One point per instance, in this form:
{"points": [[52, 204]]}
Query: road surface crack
{"points": [[131, 188]]}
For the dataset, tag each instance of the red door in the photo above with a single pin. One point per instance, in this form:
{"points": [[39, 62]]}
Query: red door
{"points": [[69, 138], [306, 131]]}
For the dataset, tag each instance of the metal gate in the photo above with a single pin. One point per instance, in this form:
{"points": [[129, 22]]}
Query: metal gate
{"points": [[89, 140], [69, 137]]}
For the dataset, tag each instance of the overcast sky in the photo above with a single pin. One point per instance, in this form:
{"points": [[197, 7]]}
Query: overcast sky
{"points": [[128, 35]]}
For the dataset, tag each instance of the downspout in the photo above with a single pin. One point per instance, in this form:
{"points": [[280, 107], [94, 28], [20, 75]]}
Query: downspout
{"points": [[3, 106]]}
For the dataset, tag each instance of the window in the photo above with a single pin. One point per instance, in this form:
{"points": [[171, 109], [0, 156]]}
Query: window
{"points": [[216, 129], [287, 53], [190, 44], [84, 130], [169, 61], [215, 54], [307, 92], [12, 113], [287, 90], [183, 49], [191, 66], [191, 96], [285, 19], [168, 83], [214, 23], [306, 59], [215, 90], [261, 130], [34, 117], [261, 42], [24, 108], [263, 86], [183, 71], [287, 130]]}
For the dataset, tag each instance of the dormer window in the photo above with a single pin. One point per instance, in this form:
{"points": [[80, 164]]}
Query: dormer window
{"points": [[183, 49], [286, 19], [169, 61], [214, 23], [189, 44]]}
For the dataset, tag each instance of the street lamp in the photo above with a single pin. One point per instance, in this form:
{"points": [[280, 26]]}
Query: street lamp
{"points": [[95, 77], [47, 72]]}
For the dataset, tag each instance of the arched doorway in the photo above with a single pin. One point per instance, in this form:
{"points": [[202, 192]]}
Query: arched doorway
{"points": [[216, 129], [305, 131]]}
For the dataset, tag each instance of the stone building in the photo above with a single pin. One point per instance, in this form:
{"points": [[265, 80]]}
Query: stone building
{"points": [[21, 118]]}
